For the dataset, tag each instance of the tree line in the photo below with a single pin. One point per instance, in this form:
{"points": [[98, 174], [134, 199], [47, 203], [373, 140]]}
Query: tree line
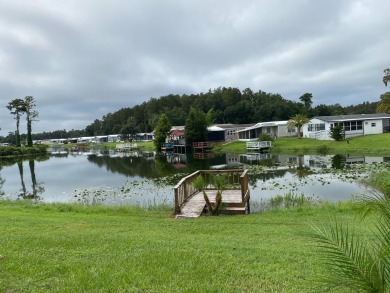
{"points": [[224, 105], [228, 105]]}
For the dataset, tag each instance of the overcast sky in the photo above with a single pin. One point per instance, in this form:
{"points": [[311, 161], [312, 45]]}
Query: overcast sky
{"points": [[83, 59]]}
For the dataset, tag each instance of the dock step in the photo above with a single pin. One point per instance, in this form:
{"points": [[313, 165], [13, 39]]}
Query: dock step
{"points": [[233, 211]]}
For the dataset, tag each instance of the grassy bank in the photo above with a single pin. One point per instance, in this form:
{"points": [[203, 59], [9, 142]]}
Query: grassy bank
{"points": [[69, 248], [12, 151], [377, 144]]}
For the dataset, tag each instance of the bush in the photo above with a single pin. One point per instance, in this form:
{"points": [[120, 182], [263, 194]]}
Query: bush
{"points": [[265, 137], [11, 151], [336, 133]]}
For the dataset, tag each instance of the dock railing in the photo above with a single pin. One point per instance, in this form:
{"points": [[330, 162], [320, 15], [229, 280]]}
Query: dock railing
{"points": [[125, 146], [235, 179], [257, 145]]}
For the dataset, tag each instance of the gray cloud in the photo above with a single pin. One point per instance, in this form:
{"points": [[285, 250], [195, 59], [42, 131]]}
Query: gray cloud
{"points": [[83, 59]]}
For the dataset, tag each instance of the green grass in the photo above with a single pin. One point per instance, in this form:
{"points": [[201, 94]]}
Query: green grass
{"points": [[142, 145], [377, 144], [70, 248]]}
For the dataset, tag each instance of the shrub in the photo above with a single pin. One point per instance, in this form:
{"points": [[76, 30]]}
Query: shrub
{"points": [[265, 137]]}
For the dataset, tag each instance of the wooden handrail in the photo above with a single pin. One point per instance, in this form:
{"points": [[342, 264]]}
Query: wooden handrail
{"points": [[236, 179], [202, 144]]}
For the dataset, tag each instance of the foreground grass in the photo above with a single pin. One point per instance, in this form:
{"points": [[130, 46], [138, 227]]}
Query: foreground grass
{"points": [[70, 248], [369, 144]]}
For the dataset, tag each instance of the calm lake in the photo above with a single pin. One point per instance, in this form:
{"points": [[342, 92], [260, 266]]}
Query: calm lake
{"points": [[146, 178]]}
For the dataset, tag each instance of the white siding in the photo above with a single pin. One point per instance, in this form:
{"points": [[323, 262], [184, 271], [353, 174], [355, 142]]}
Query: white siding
{"points": [[373, 126], [322, 134]]}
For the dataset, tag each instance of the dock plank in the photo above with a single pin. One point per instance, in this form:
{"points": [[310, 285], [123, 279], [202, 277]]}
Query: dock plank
{"points": [[194, 206]]}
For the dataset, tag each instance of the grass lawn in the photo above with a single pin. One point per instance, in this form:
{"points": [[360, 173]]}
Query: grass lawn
{"points": [[378, 144], [70, 248]]}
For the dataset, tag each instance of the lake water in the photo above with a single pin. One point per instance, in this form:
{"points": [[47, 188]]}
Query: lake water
{"points": [[145, 178]]}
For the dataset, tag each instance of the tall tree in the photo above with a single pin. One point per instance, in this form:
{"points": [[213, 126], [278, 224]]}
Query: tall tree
{"points": [[196, 127], [31, 115], [129, 130], [298, 120], [384, 104], [307, 101], [161, 131], [17, 108]]}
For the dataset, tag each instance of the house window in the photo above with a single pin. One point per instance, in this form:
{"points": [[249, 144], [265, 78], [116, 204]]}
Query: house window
{"points": [[353, 125], [373, 124], [316, 127], [290, 129], [231, 132]]}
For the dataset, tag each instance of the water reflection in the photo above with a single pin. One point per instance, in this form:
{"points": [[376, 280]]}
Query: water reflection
{"points": [[136, 177], [37, 188]]}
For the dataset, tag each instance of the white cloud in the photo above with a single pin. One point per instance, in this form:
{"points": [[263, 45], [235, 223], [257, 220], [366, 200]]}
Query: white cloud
{"points": [[83, 59]]}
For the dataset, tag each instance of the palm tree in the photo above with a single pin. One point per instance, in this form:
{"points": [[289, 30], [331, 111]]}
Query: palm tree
{"points": [[298, 120], [386, 77], [352, 263]]}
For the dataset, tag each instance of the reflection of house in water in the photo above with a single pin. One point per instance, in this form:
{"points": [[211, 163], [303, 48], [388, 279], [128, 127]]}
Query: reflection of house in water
{"points": [[286, 160], [232, 158], [337, 161], [351, 161], [254, 158], [317, 162], [148, 155], [176, 158], [231, 161]]}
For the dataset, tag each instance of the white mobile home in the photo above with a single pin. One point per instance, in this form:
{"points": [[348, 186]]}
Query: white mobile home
{"points": [[353, 125], [274, 129]]}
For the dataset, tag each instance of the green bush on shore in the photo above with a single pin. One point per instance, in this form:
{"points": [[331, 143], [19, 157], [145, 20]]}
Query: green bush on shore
{"points": [[8, 151]]}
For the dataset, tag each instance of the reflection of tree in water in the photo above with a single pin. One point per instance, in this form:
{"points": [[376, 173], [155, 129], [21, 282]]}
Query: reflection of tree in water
{"points": [[23, 191], [152, 168], [132, 166], [266, 175], [338, 162], [37, 188], [300, 171]]}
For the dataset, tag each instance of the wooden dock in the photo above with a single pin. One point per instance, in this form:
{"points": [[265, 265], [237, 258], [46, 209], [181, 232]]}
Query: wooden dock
{"points": [[125, 147], [202, 146], [190, 203], [258, 145]]}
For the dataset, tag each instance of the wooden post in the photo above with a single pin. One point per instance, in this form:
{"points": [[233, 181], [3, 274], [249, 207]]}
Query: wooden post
{"points": [[177, 205], [248, 204]]}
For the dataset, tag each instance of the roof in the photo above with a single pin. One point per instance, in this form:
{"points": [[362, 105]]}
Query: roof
{"points": [[264, 124], [352, 117], [176, 132], [215, 128]]}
